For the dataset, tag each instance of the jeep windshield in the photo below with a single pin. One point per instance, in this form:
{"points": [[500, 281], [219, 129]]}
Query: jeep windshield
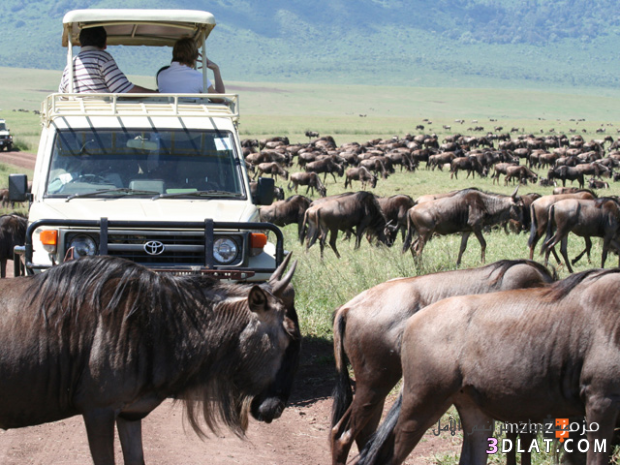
{"points": [[123, 163], [2, 127]]}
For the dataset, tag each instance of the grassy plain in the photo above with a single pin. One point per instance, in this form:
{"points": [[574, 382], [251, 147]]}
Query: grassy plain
{"points": [[360, 113]]}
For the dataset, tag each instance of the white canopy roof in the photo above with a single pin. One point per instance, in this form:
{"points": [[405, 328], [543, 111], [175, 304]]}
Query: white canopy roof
{"points": [[139, 27]]}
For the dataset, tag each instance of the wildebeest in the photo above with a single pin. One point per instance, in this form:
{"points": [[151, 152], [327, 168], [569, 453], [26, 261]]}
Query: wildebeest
{"points": [[325, 166], [110, 340], [587, 218], [566, 172], [466, 211], [596, 184], [309, 179], [470, 164], [286, 212], [519, 355], [272, 168], [359, 210], [368, 330], [395, 210], [12, 233], [520, 173], [359, 174]]}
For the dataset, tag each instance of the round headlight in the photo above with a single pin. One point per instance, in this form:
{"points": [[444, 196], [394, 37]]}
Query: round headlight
{"points": [[83, 245], [225, 250]]}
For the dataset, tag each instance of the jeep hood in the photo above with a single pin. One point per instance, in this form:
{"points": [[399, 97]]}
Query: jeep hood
{"points": [[124, 209]]}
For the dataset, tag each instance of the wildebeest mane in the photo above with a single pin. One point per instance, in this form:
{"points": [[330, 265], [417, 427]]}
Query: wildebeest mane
{"points": [[559, 290], [503, 266], [150, 317]]}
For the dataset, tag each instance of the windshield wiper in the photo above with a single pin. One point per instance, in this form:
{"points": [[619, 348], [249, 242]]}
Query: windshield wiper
{"points": [[208, 193], [120, 190]]}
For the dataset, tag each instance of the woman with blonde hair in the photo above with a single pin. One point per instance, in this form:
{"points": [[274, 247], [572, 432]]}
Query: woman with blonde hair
{"points": [[182, 77]]}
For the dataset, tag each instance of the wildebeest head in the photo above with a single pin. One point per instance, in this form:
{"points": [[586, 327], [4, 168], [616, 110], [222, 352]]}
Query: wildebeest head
{"points": [[373, 181], [269, 405]]}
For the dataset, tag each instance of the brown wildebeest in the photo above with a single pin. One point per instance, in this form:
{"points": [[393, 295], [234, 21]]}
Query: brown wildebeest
{"points": [[286, 212], [470, 164], [359, 210], [438, 160], [325, 166], [596, 184], [272, 168], [587, 218], [114, 339], [395, 210], [539, 216], [518, 355], [378, 166], [309, 179], [500, 168], [368, 330], [572, 190], [12, 233], [521, 173], [467, 211], [566, 172], [359, 174]]}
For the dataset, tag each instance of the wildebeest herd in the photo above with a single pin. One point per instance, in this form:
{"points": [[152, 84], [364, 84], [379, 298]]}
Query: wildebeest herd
{"points": [[111, 340]]}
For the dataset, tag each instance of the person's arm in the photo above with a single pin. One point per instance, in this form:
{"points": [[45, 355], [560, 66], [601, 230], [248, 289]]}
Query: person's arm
{"points": [[219, 87], [136, 89]]}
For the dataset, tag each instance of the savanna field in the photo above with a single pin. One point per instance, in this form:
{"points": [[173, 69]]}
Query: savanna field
{"points": [[361, 113]]}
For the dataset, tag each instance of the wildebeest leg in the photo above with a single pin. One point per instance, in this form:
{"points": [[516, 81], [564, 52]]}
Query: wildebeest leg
{"points": [[100, 431], [464, 239], [483, 244], [475, 433], [603, 411], [332, 241], [130, 434], [334, 176], [587, 249], [564, 252], [3, 268]]}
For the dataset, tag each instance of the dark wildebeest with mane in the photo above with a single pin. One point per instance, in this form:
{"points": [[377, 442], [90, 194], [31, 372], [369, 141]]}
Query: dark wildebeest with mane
{"points": [[284, 212], [310, 179], [395, 210], [586, 218], [272, 168], [466, 211], [327, 165], [514, 356], [368, 330], [110, 340], [344, 212], [12, 233], [359, 174]]}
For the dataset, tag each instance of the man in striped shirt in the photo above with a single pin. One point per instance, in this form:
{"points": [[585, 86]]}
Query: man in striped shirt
{"points": [[94, 69]]}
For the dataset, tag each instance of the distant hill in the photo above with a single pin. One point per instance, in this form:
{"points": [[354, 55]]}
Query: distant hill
{"points": [[450, 43]]}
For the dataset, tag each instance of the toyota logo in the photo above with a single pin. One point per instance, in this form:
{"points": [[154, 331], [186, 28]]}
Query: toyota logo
{"points": [[154, 248]]}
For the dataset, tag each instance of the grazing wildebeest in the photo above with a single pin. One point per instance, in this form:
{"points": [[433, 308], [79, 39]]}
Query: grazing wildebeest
{"points": [[359, 210], [325, 166], [359, 174], [521, 173], [395, 210], [500, 168], [466, 211], [587, 218], [518, 355], [368, 330], [110, 340], [566, 172], [470, 164], [12, 233], [286, 212], [272, 168], [539, 216], [309, 179], [596, 184]]}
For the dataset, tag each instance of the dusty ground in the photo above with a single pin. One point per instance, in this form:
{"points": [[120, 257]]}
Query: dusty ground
{"points": [[299, 437]]}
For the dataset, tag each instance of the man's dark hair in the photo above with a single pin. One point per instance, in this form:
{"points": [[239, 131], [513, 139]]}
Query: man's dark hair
{"points": [[96, 36]]}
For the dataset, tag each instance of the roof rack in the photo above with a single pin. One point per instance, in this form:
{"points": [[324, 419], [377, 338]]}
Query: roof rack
{"points": [[186, 105]]}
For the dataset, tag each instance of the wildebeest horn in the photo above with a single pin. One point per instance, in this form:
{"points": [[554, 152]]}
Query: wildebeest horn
{"points": [[277, 274], [514, 194], [279, 287]]}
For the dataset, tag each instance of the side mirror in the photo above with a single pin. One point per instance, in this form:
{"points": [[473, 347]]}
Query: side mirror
{"points": [[264, 192], [18, 187]]}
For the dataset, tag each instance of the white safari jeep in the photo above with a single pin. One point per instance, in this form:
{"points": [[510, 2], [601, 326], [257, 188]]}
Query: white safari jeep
{"points": [[6, 140], [156, 178]]}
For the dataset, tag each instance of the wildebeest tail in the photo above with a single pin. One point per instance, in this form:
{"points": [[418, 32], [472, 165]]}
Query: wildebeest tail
{"points": [[380, 447], [533, 226], [550, 222], [303, 228], [409, 238], [343, 393]]}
